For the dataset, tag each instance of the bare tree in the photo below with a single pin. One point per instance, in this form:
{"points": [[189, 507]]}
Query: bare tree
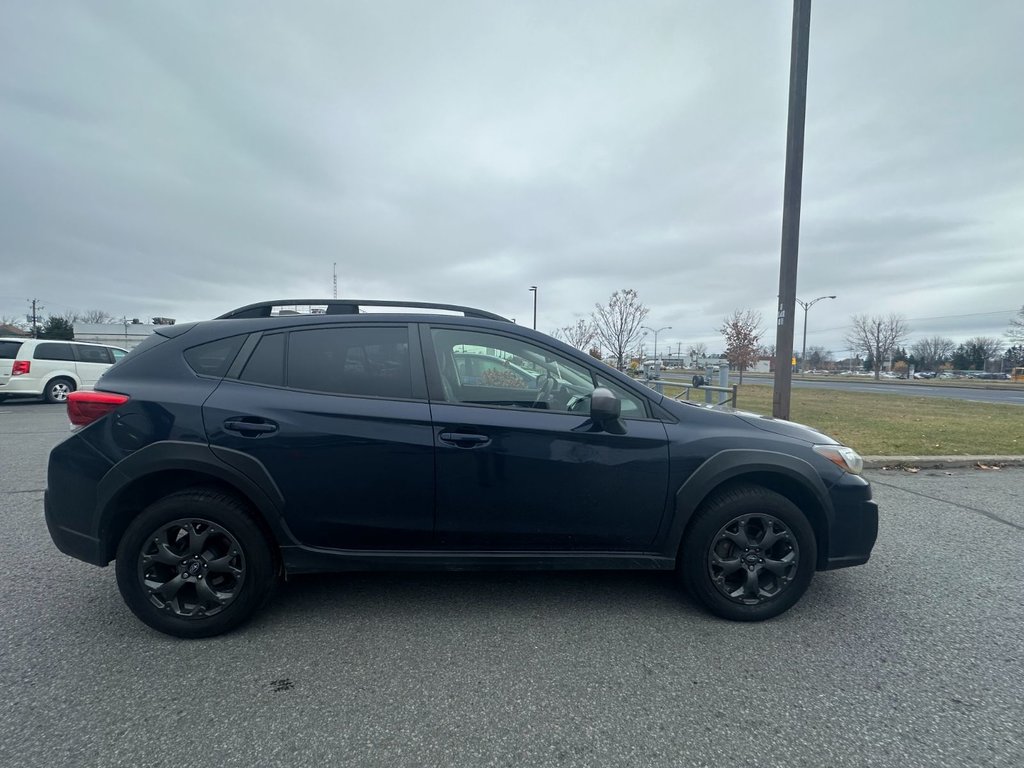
{"points": [[877, 336], [13, 321], [618, 324], [742, 332], [1016, 329], [96, 316], [580, 334], [818, 357], [932, 352]]}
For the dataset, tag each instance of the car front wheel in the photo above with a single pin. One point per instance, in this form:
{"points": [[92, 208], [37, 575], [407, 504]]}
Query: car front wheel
{"points": [[194, 564], [749, 554]]}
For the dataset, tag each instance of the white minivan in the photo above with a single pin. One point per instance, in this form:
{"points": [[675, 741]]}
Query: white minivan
{"points": [[52, 368]]}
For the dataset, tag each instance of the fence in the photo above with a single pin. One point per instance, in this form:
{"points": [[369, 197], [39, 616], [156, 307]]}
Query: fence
{"points": [[712, 393]]}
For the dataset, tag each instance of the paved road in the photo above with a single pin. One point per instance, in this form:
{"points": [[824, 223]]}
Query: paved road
{"points": [[914, 659], [1009, 396]]}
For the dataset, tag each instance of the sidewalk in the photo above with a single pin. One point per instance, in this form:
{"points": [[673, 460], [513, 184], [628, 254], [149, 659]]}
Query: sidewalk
{"points": [[879, 462]]}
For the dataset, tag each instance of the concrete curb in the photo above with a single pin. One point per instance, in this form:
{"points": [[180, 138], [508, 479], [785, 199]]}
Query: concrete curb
{"points": [[941, 462]]}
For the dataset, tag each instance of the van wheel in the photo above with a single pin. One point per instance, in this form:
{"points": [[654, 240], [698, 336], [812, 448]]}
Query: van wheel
{"points": [[57, 390], [194, 564], [749, 554]]}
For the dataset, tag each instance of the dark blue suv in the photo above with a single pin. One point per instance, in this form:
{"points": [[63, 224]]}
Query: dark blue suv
{"points": [[221, 455]]}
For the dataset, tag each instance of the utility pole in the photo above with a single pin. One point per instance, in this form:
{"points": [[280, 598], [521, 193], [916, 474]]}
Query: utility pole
{"points": [[335, 279], [791, 208], [37, 309], [533, 289]]}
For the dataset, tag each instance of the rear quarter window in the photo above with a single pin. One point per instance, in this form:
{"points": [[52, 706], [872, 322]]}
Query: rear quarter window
{"points": [[9, 350], [215, 357]]}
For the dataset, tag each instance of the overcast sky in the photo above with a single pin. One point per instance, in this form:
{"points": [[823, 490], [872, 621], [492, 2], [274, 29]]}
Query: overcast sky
{"points": [[184, 158]]}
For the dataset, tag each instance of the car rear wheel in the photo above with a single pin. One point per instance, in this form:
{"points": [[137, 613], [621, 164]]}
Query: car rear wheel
{"points": [[749, 554], [57, 390], [194, 564]]}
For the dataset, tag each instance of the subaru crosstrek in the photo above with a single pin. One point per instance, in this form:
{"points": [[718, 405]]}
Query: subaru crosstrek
{"points": [[222, 455]]}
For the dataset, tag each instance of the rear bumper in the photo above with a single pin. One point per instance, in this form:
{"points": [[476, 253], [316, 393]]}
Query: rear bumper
{"points": [[21, 385], [854, 528], [70, 542]]}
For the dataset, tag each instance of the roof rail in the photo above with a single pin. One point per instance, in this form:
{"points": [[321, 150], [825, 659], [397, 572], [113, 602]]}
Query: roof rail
{"points": [[351, 307]]}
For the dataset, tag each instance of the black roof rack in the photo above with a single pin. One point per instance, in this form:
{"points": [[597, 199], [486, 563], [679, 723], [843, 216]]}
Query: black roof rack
{"points": [[350, 307]]}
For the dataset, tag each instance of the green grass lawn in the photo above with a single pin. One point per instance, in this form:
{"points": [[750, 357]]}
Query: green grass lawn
{"points": [[898, 425]]}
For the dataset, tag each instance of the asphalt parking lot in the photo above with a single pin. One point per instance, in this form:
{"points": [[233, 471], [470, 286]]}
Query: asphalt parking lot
{"points": [[915, 659]]}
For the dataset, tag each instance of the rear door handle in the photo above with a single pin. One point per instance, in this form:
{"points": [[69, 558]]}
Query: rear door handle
{"points": [[250, 428], [464, 439]]}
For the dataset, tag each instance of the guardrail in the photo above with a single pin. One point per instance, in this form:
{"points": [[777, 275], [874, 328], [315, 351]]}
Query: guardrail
{"points": [[699, 385]]}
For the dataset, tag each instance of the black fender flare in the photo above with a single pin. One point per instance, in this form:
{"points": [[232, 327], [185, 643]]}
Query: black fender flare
{"points": [[234, 468], [735, 463]]}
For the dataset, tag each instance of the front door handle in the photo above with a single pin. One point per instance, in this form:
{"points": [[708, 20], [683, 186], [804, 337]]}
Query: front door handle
{"points": [[250, 428], [464, 439]]}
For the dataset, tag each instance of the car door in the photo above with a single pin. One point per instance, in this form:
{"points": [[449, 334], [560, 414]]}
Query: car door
{"points": [[519, 463], [91, 362], [338, 417]]}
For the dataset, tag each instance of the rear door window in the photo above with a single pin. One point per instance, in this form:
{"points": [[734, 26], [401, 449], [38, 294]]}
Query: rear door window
{"points": [[351, 361], [266, 365], [54, 351]]}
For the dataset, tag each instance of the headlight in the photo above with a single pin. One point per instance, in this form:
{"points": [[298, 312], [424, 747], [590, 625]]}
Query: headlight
{"points": [[843, 457]]}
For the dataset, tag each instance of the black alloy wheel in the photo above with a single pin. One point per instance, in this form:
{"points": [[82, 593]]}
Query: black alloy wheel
{"points": [[749, 553], [753, 558], [195, 564], [191, 567]]}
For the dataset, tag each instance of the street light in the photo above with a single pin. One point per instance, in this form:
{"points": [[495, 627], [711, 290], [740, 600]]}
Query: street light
{"points": [[656, 332], [533, 289], [807, 305]]}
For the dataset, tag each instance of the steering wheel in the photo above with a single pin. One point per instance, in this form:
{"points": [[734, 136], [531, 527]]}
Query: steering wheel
{"points": [[544, 390]]}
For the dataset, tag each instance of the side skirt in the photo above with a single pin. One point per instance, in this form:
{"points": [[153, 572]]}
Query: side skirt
{"points": [[299, 559]]}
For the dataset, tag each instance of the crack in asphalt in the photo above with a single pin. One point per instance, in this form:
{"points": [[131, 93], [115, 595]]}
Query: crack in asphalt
{"points": [[984, 512]]}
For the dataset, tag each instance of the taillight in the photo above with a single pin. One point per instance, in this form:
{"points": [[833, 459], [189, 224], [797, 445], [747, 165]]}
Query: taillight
{"points": [[85, 407], [21, 367]]}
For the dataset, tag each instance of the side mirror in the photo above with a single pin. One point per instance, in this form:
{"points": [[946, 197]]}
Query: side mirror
{"points": [[604, 406]]}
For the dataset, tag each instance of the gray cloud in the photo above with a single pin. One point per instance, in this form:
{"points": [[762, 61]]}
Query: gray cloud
{"points": [[182, 159]]}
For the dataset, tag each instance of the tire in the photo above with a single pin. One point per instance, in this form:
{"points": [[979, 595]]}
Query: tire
{"points": [[749, 554], [195, 564], [57, 390]]}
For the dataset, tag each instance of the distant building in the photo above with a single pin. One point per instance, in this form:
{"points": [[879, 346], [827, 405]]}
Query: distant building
{"points": [[126, 336], [13, 330], [163, 321]]}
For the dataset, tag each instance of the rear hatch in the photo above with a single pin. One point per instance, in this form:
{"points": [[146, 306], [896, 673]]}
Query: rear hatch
{"points": [[8, 353]]}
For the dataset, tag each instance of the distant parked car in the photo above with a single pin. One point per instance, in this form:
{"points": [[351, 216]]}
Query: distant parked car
{"points": [[52, 369]]}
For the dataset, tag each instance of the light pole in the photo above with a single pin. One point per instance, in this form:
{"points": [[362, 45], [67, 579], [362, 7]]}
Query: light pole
{"points": [[533, 289], [656, 332], [807, 305]]}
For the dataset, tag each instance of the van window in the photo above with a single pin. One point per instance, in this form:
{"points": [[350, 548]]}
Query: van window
{"points": [[93, 354], [53, 351], [9, 350]]}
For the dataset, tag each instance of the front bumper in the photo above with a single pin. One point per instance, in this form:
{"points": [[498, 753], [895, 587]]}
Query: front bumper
{"points": [[854, 527]]}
